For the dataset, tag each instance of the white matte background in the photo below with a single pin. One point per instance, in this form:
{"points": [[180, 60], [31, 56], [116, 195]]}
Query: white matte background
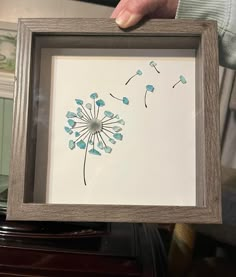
{"points": [[155, 162]]}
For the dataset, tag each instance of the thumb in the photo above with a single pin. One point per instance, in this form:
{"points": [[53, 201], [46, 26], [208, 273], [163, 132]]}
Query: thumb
{"points": [[134, 10]]}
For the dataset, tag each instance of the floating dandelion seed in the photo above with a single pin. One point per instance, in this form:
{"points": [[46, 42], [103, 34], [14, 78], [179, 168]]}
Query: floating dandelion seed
{"points": [[125, 100], [153, 64], [91, 130], [149, 88], [138, 73], [181, 79]]}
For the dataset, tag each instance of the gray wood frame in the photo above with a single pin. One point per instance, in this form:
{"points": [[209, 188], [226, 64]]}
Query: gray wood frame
{"points": [[35, 34]]}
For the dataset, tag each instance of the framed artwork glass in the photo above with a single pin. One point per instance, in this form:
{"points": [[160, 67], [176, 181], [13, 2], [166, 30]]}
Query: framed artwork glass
{"points": [[113, 125]]}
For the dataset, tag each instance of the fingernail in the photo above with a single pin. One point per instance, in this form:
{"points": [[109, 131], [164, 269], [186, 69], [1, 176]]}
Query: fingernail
{"points": [[123, 19]]}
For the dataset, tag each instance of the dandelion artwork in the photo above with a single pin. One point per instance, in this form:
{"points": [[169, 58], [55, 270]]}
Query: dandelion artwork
{"points": [[92, 130], [181, 80], [149, 88], [138, 73], [154, 64], [125, 100]]}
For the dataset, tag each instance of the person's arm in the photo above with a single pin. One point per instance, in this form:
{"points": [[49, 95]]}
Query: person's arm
{"points": [[130, 12], [224, 12]]}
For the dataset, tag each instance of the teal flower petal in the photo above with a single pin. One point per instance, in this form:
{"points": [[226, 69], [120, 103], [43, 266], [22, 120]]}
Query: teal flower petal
{"points": [[182, 79], [139, 72], [88, 106], [79, 112], [117, 116], [118, 136], [100, 145], [94, 152], [68, 130], [77, 134], [70, 115], [79, 101], [81, 144], [150, 88], [109, 114], [71, 123], [94, 95], [125, 101], [80, 115], [112, 141], [100, 103], [71, 144], [152, 63], [116, 128], [108, 149], [121, 121]]}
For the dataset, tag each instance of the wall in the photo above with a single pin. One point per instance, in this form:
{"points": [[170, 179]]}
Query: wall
{"points": [[6, 106], [10, 10]]}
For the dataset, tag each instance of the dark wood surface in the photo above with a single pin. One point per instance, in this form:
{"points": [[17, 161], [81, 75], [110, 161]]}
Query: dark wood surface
{"points": [[120, 250], [208, 209]]}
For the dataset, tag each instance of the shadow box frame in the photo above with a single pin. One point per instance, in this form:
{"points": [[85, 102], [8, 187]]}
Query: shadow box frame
{"points": [[35, 34]]}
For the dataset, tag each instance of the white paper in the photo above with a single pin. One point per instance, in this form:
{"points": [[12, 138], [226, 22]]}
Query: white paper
{"points": [[155, 163]]}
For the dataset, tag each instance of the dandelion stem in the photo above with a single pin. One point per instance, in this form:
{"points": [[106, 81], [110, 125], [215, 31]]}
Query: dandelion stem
{"points": [[97, 112], [93, 140], [104, 132], [85, 158], [79, 126], [91, 113], [85, 120], [176, 84], [102, 139], [108, 131], [94, 107], [88, 117], [115, 97], [103, 118], [145, 96], [130, 79], [108, 119], [81, 135], [156, 69], [105, 124], [97, 137]]}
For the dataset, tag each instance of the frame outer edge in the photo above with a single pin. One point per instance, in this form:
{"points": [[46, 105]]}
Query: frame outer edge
{"points": [[20, 119], [212, 121], [19, 211]]}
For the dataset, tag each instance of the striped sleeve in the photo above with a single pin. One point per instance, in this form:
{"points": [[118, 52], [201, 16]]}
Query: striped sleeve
{"points": [[224, 12]]}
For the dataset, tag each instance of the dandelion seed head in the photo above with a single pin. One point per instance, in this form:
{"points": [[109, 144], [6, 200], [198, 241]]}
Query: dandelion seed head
{"points": [[94, 95], [93, 130], [139, 72], [182, 79], [95, 125], [150, 88], [152, 63]]}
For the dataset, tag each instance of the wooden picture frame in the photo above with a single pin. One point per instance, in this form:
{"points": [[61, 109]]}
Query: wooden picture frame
{"points": [[36, 35]]}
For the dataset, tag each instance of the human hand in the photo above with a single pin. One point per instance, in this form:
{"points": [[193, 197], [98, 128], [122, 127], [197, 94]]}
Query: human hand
{"points": [[130, 12]]}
